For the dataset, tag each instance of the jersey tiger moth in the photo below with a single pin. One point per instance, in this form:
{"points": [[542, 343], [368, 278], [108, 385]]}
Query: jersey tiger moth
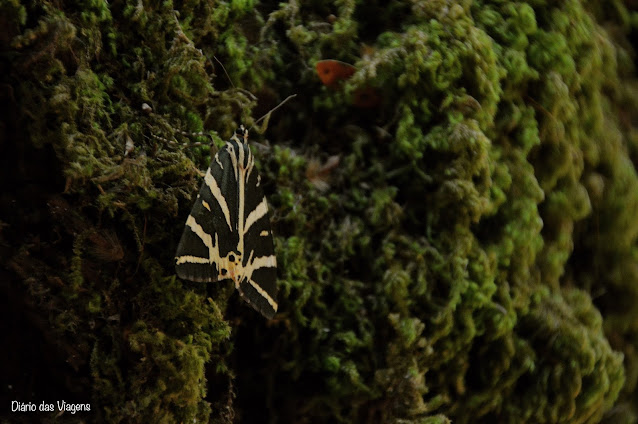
{"points": [[227, 234]]}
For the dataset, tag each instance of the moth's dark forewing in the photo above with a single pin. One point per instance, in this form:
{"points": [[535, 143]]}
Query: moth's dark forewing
{"points": [[190, 245], [259, 283], [256, 300], [224, 175], [211, 212], [259, 237]]}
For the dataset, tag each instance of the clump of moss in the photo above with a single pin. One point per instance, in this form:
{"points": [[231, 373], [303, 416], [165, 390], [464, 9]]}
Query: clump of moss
{"points": [[464, 250], [454, 234], [107, 93]]}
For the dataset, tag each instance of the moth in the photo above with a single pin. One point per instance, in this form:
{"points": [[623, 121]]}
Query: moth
{"points": [[228, 233]]}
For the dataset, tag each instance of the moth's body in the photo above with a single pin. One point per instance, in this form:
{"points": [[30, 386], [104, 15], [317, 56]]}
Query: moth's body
{"points": [[227, 233]]}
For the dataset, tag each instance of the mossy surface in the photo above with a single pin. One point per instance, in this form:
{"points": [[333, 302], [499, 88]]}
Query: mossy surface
{"points": [[464, 251]]}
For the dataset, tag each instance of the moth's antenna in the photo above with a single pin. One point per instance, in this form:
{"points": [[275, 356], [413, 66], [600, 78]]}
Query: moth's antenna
{"points": [[267, 116], [222, 65]]}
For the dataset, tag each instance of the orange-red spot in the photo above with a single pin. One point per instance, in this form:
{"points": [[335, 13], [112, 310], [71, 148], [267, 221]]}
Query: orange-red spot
{"points": [[331, 72]]}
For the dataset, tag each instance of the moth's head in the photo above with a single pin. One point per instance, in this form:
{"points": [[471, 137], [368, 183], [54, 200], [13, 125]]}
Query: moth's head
{"points": [[242, 132]]}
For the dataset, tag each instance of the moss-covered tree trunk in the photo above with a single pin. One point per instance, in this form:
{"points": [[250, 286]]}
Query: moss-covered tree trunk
{"points": [[464, 248]]}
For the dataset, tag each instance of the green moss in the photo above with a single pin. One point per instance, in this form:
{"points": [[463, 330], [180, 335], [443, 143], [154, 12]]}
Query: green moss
{"points": [[471, 258]]}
